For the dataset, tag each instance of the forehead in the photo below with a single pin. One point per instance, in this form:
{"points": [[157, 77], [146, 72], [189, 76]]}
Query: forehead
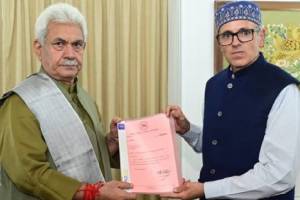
{"points": [[236, 25], [66, 31]]}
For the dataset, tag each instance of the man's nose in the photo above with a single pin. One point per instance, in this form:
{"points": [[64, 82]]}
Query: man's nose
{"points": [[235, 40], [69, 52]]}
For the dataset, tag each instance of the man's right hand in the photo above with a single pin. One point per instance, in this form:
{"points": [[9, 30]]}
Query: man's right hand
{"points": [[115, 190], [182, 125]]}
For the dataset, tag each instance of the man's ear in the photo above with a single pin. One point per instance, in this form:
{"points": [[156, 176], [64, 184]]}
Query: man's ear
{"points": [[262, 35], [37, 48]]}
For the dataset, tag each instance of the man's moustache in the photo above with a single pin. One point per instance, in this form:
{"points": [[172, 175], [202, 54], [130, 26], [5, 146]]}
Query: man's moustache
{"points": [[69, 62]]}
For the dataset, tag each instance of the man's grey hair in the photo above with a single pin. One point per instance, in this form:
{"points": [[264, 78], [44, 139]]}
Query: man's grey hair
{"points": [[61, 13]]}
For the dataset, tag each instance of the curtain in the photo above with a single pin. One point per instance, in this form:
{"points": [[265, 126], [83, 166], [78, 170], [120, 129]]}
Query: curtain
{"points": [[125, 61]]}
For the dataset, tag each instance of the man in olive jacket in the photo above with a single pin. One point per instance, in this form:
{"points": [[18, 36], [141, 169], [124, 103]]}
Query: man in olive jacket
{"points": [[52, 145]]}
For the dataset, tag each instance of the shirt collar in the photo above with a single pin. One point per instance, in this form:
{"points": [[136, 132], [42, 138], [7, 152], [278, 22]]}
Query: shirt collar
{"points": [[258, 62], [71, 89]]}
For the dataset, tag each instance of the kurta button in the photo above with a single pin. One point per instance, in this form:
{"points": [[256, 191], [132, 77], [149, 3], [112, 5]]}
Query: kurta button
{"points": [[232, 76], [212, 171], [229, 85], [220, 114], [214, 142]]}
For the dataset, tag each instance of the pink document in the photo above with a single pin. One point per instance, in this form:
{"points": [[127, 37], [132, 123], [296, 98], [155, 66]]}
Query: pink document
{"points": [[149, 154]]}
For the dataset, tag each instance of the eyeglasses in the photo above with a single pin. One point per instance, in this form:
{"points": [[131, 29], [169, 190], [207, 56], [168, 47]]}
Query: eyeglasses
{"points": [[61, 44], [243, 35]]}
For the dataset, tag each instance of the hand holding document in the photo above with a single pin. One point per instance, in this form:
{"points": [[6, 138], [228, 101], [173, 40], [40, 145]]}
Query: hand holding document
{"points": [[149, 154]]}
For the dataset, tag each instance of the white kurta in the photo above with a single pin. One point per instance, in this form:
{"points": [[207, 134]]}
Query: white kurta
{"points": [[279, 158]]}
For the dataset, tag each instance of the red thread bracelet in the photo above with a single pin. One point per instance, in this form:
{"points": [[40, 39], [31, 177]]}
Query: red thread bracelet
{"points": [[99, 185], [90, 191]]}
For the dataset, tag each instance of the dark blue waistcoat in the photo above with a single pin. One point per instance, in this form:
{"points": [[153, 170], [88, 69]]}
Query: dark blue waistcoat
{"points": [[235, 116]]}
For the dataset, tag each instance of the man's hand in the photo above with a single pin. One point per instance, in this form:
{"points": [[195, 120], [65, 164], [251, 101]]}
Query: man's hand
{"points": [[182, 125], [112, 140], [114, 190], [188, 190]]}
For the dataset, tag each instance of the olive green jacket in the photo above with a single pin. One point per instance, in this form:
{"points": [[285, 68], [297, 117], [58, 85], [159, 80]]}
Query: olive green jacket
{"points": [[27, 169]]}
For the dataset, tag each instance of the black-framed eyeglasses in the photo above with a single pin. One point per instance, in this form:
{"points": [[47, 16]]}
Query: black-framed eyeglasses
{"points": [[60, 45], [243, 35]]}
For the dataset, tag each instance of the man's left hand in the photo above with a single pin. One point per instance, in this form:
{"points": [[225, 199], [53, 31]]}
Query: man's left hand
{"points": [[112, 140], [188, 190]]}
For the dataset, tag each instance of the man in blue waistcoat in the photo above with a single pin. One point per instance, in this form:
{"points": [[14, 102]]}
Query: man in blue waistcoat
{"points": [[250, 137]]}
